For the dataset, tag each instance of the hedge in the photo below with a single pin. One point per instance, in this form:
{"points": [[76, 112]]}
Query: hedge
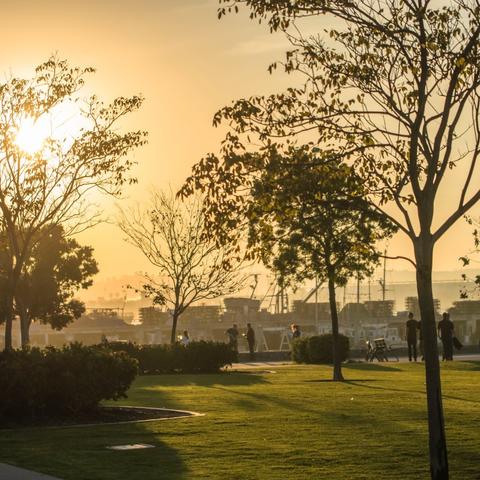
{"points": [[318, 349], [196, 357], [55, 382]]}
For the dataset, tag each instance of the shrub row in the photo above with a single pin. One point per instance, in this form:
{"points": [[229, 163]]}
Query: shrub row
{"points": [[196, 357], [318, 349], [55, 382]]}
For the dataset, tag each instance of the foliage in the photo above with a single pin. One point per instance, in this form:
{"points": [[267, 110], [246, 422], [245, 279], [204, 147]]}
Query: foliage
{"points": [[318, 349], [191, 267], [52, 185], [299, 350], [290, 425], [195, 357], [393, 89], [56, 268], [59, 382]]}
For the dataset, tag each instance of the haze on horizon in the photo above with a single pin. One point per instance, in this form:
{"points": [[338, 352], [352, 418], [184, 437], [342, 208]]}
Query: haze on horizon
{"points": [[187, 64]]}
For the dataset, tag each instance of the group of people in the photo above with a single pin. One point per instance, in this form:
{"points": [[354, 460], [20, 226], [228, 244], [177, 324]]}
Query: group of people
{"points": [[446, 332], [233, 333]]}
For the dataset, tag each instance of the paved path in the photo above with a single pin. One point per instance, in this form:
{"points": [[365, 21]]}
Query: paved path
{"points": [[7, 472], [273, 365]]}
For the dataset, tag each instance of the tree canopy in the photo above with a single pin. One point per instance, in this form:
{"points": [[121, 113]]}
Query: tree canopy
{"points": [[51, 184], [391, 88], [305, 219], [55, 270], [190, 266]]}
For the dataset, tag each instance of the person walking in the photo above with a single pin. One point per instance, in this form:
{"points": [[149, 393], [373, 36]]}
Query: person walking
{"points": [[446, 329], [412, 327], [251, 341], [233, 333]]}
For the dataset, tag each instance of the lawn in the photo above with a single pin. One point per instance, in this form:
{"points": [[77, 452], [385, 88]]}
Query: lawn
{"points": [[292, 424]]}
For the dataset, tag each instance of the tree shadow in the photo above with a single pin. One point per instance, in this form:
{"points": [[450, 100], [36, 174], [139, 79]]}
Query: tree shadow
{"points": [[202, 380], [469, 365], [261, 397], [329, 380], [73, 453], [371, 367], [389, 389]]}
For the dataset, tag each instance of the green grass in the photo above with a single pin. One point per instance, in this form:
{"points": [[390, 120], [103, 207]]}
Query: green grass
{"points": [[294, 424]]}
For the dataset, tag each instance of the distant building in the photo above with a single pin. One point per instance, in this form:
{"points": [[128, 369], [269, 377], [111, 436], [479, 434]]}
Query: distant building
{"points": [[153, 317], [465, 315], [89, 329], [412, 305], [311, 312]]}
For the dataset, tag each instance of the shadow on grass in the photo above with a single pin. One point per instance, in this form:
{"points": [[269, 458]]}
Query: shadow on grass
{"points": [[82, 453], [329, 380], [460, 399], [358, 383], [469, 365], [249, 397], [371, 367], [202, 380]]}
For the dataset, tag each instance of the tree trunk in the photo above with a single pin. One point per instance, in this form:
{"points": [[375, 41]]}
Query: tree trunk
{"points": [[337, 363], [13, 278], [173, 337], [8, 329], [9, 314], [24, 326], [437, 441]]}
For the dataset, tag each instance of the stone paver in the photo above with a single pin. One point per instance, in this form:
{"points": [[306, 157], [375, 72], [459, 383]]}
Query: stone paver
{"points": [[8, 472]]}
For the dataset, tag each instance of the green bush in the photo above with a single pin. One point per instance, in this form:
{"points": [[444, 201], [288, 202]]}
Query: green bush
{"points": [[196, 357], [60, 382], [318, 349], [299, 350]]}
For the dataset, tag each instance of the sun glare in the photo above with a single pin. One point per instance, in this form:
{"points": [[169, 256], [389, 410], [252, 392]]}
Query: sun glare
{"points": [[32, 134], [62, 124]]}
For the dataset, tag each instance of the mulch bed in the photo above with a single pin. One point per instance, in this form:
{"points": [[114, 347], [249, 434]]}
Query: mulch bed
{"points": [[103, 415]]}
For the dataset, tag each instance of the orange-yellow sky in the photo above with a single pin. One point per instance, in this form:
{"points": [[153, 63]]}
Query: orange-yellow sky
{"points": [[185, 62]]}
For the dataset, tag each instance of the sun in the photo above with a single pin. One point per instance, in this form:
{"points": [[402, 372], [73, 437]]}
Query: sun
{"points": [[32, 134], [62, 124]]}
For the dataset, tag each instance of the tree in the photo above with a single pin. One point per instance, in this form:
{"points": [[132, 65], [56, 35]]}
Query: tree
{"points": [[56, 269], [393, 91], [304, 220], [320, 224], [51, 184], [191, 267]]}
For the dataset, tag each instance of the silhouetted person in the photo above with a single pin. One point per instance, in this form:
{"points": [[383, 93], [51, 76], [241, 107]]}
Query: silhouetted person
{"points": [[251, 341], [233, 337], [296, 333], [412, 327], [445, 327], [185, 338]]}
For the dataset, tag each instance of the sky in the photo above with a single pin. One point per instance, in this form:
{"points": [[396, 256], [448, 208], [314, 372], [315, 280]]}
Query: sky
{"points": [[187, 64]]}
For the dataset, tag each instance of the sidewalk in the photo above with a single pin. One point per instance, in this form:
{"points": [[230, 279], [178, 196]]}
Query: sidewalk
{"points": [[286, 363], [7, 472]]}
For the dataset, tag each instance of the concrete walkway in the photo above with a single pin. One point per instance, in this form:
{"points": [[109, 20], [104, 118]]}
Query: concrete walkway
{"points": [[272, 365], [7, 472]]}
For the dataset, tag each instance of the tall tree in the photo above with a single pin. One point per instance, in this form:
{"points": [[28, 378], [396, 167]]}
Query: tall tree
{"points": [[304, 220], [393, 88], [56, 269], [191, 267], [51, 183]]}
